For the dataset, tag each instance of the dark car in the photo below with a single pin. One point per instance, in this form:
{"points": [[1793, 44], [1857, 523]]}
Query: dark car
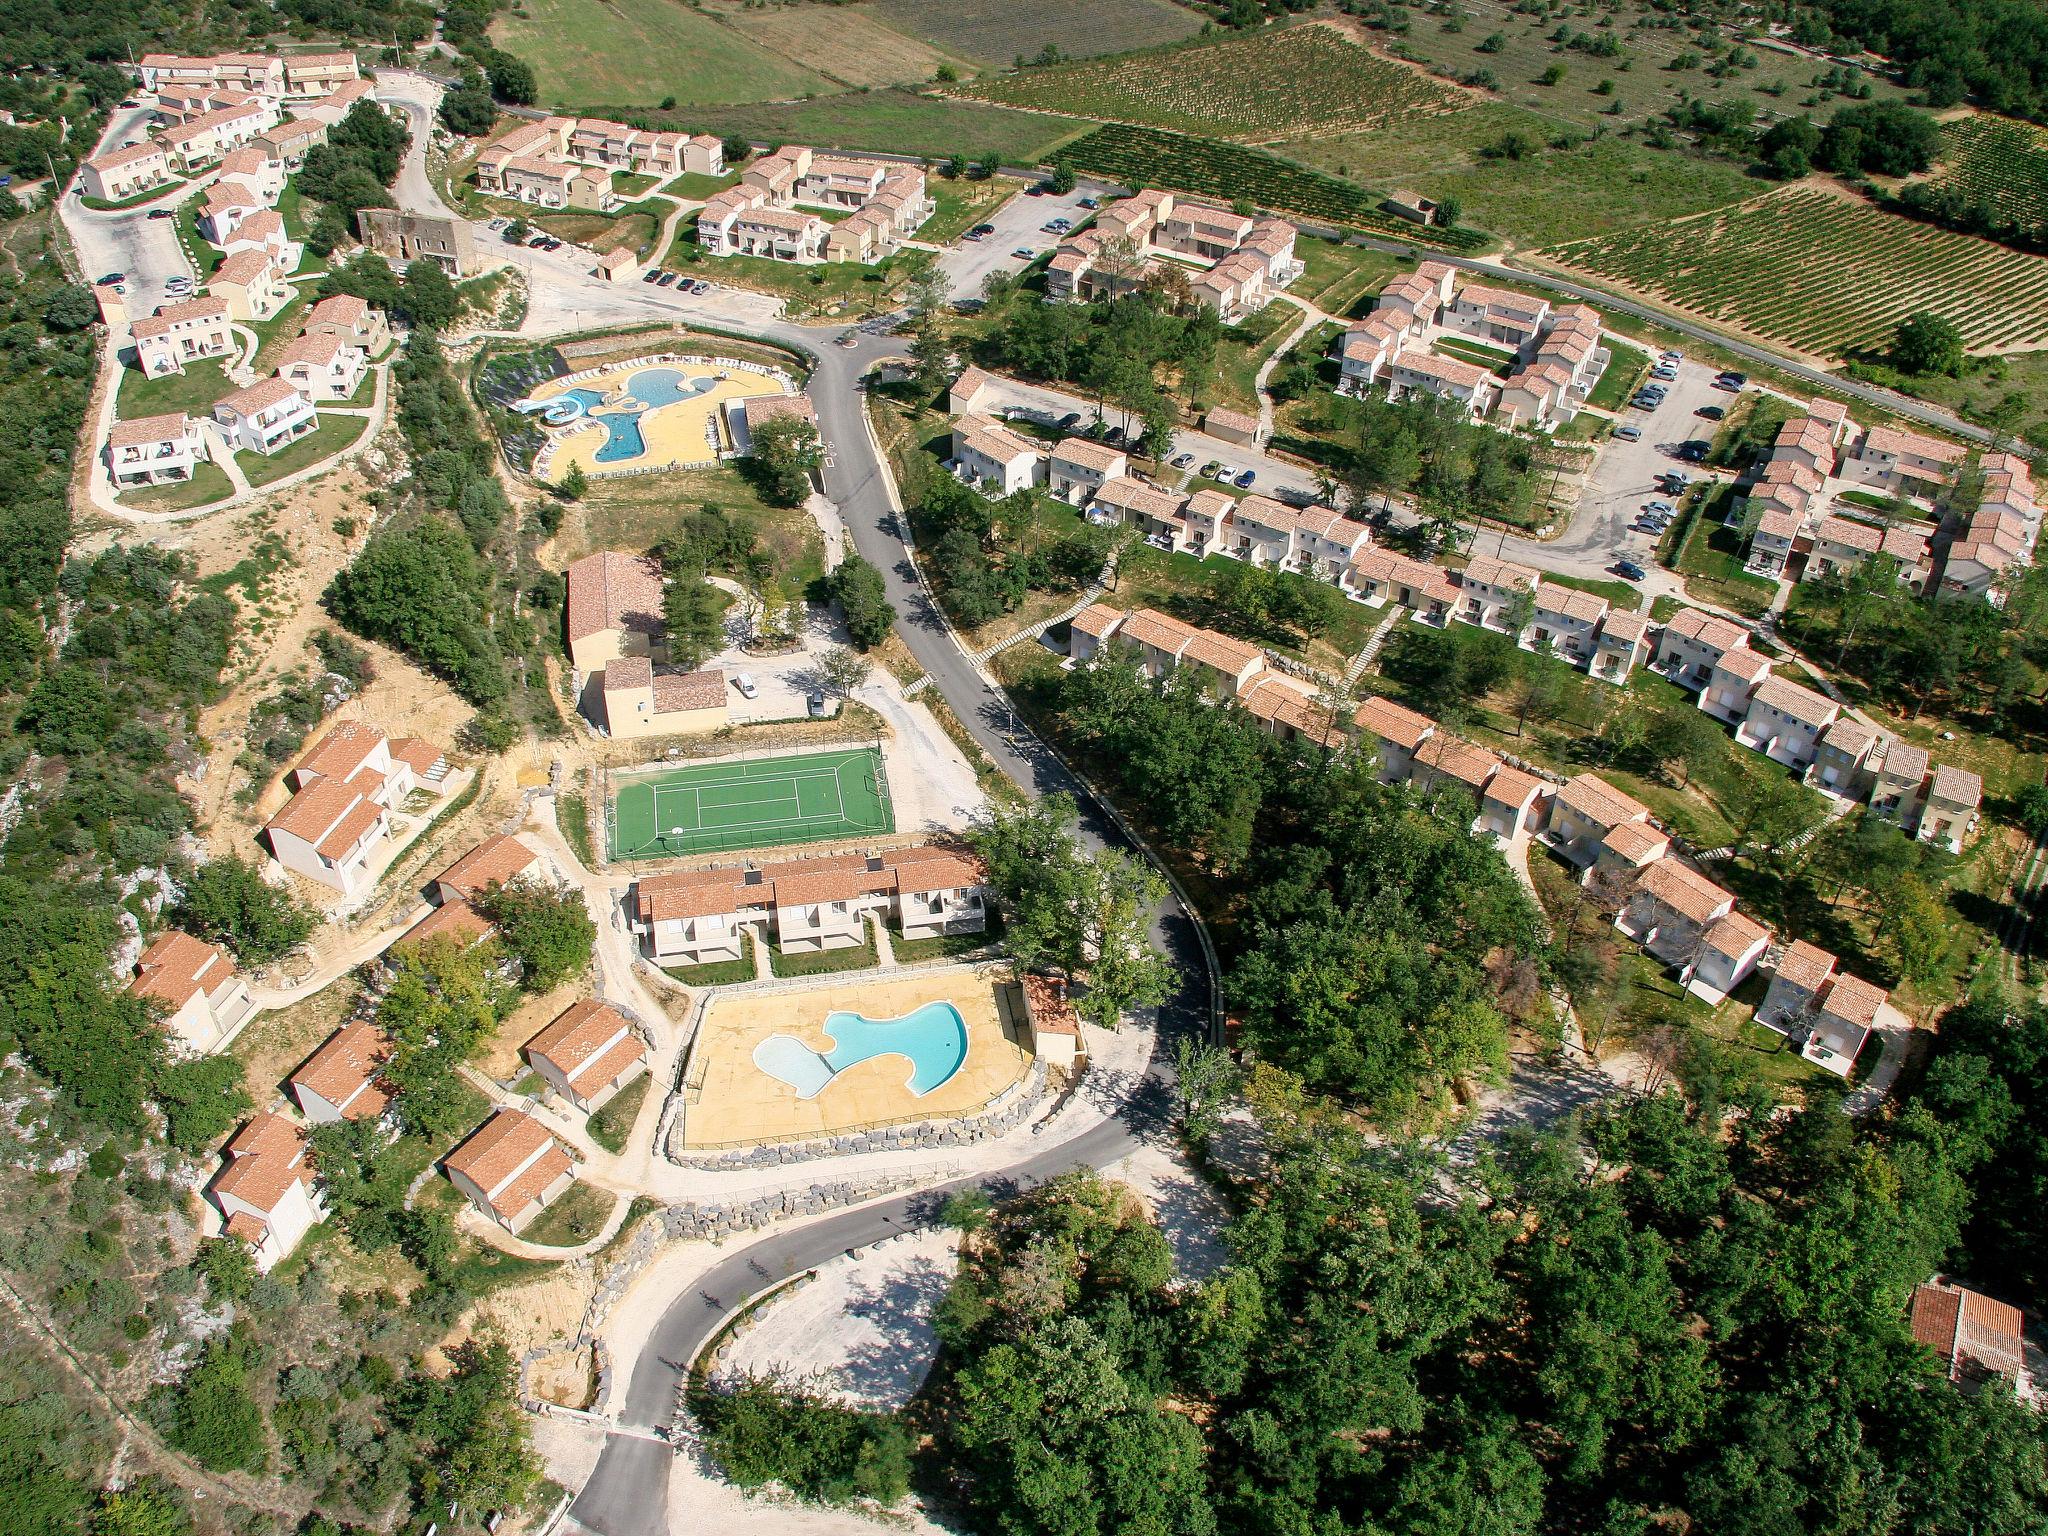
{"points": [[163, 213], [1071, 420], [1710, 412], [112, 278], [1113, 436], [651, 277], [667, 279], [1629, 570], [1692, 453]]}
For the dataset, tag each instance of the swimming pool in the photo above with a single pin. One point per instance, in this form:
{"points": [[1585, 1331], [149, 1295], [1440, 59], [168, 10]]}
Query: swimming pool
{"points": [[645, 390], [933, 1038]]}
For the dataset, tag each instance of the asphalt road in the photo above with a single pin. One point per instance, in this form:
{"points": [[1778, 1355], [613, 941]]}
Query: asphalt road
{"points": [[1019, 223], [145, 249]]}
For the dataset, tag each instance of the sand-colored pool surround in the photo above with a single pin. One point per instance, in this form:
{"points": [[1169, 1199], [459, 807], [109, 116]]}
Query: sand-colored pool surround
{"points": [[653, 412], [731, 1100]]}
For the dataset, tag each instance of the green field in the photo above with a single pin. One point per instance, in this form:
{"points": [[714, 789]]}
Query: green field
{"points": [[638, 52], [892, 122], [1260, 85], [767, 802], [1825, 274], [2001, 160], [999, 32]]}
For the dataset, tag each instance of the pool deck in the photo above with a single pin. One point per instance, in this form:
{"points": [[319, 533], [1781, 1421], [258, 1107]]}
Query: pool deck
{"points": [[672, 433], [732, 1102]]}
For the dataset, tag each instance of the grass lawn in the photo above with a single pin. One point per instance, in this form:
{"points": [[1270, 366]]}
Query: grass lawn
{"points": [[572, 815], [1709, 556], [638, 52], [892, 121], [847, 44], [826, 288], [719, 973], [962, 204], [611, 1125], [1240, 354], [577, 1217], [209, 482], [695, 187], [204, 257], [632, 188], [329, 438], [161, 189], [947, 946], [998, 31], [638, 511], [1626, 368], [192, 391], [1619, 593], [1342, 278], [823, 962], [1491, 358]]}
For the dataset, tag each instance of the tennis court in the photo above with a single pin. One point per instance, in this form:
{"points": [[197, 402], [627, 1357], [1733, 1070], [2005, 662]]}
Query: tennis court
{"points": [[718, 807]]}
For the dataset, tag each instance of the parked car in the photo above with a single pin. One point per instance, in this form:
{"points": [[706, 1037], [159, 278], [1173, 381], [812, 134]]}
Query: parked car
{"points": [[1671, 357], [748, 688], [1643, 403], [1629, 570], [178, 285], [537, 239], [1208, 470], [814, 701], [163, 213], [1091, 202], [1068, 422], [113, 278], [1629, 434], [1025, 253], [1052, 228], [1226, 472], [1183, 460], [1693, 452], [652, 275], [1114, 437], [1244, 481], [1710, 412], [668, 280], [1038, 189], [1657, 506]]}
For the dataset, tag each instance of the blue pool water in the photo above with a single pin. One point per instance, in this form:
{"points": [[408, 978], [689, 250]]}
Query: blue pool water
{"points": [[933, 1038], [647, 390]]}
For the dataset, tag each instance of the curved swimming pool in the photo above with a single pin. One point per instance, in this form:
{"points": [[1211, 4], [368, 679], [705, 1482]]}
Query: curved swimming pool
{"points": [[645, 390], [933, 1038]]}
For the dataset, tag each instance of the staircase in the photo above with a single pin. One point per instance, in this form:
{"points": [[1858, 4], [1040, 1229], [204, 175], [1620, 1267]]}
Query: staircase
{"points": [[1371, 648]]}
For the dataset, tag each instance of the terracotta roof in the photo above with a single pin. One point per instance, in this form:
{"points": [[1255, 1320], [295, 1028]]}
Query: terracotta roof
{"points": [[1706, 629], [1743, 664], [1447, 370], [114, 159], [1962, 1325], [1635, 842], [351, 829], [186, 311], [242, 268], [1235, 421], [1841, 530], [945, 871], [501, 1153], [260, 396], [1600, 802], [1451, 758], [1854, 1000], [343, 309], [1891, 440], [1137, 496], [1623, 627], [586, 1035], [265, 1160], [176, 967], [762, 409], [344, 1072], [1802, 704], [830, 877], [1903, 760], [250, 1229], [1393, 722], [1230, 657], [318, 350], [628, 672], [1684, 890], [419, 755], [993, 440], [1280, 699], [1736, 935], [148, 429], [321, 805], [497, 860], [1150, 627], [1849, 735], [1097, 620], [1078, 450], [1511, 786], [1571, 603], [675, 692], [258, 228], [1502, 299], [1045, 999], [611, 590], [456, 920], [339, 753], [1805, 965]]}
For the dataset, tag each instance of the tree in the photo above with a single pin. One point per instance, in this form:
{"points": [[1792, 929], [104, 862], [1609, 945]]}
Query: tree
{"points": [[147, 1508], [71, 308], [214, 1420], [1204, 1079], [517, 231], [1449, 210], [1039, 878], [547, 927], [1789, 147], [420, 588], [468, 109], [1925, 343], [844, 669], [229, 1267], [734, 148], [429, 298], [227, 902], [1062, 179], [512, 79], [1126, 970], [863, 597], [574, 484], [786, 452], [201, 1098]]}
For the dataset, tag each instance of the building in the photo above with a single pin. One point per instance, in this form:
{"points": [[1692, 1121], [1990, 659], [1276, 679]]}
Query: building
{"points": [[1730, 951], [1379, 576], [204, 998], [265, 1191], [636, 701], [1556, 372], [617, 265], [196, 144], [355, 321], [1786, 721], [1055, 1026], [121, 174], [344, 790], [1515, 804], [1841, 1021], [1974, 1337], [260, 74], [1803, 973], [1842, 759], [1396, 733], [554, 184], [1497, 595], [760, 216], [1693, 644], [1290, 710], [1496, 315], [496, 861], [340, 1081], [738, 222], [1671, 910], [1162, 644], [1733, 683], [310, 76], [1445, 759], [511, 1168], [408, 237], [155, 450], [987, 454], [809, 905], [250, 283], [614, 609], [1153, 511], [1903, 463], [1621, 645], [1315, 540], [286, 144], [1238, 427], [1900, 778], [181, 333], [1418, 371], [588, 1054], [1841, 545], [1566, 622], [1949, 809], [1079, 468], [1243, 260], [264, 417], [322, 367]]}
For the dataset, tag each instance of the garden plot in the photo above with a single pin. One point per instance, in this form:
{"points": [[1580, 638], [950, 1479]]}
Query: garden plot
{"points": [[1825, 274], [1264, 86], [2001, 161]]}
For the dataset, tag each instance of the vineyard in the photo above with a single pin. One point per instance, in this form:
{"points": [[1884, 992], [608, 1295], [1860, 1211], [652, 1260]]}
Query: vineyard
{"points": [[1147, 157], [1825, 275], [2000, 160], [1265, 86]]}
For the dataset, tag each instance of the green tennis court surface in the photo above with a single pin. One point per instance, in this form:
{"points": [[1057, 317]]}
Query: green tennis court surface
{"points": [[716, 807]]}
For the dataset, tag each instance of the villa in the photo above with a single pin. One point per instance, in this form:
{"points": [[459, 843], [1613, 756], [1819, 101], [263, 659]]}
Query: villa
{"points": [[761, 215], [249, 282], [1079, 468], [322, 367], [1841, 1022], [1842, 759], [1587, 818], [124, 173], [496, 861], [1975, 1338], [588, 1054], [989, 454], [1786, 721], [1733, 683], [1693, 644], [1497, 315], [205, 1000], [1671, 909], [1490, 592], [206, 138], [1162, 644], [1242, 261], [511, 1168], [343, 792], [355, 321], [182, 333], [262, 234], [155, 450], [1567, 622], [1416, 371], [341, 1081], [1397, 734], [265, 1191], [1515, 804], [1903, 463], [695, 917], [265, 416], [286, 144], [616, 640]]}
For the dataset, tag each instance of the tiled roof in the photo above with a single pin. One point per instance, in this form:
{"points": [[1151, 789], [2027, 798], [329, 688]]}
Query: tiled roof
{"points": [[1097, 620], [456, 920], [675, 692], [114, 159], [1854, 1000], [1683, 889], [582, 1036], [1903, 760], [188, 311], [343, 309], [831, 877], [1600, 802], [144, 430], [341, 751], [1137, 496], [1958, 1323], [1891, 440], [611, 590], [176, 967], [352, 827], [1045, 999], [497, 860], [1454, 759], [318, 350], [1736, 935], [263, 395], [265, 1160], [1635, 842], [1447, 370], [1622, 627], [419, 755], [1805, 965], [344, 1071], [628, 672], [1956, 786], [1743, 664], [1393, 722], [1849, 735], [1148, 626], [1225, 655], [762, 409], [1706, 629], [1282, 700], [1502, 573], [512, 1157], [1078, 450], [1234, 421], [242, 268], [1801, 704], [1854, 535], [1511, 786]]}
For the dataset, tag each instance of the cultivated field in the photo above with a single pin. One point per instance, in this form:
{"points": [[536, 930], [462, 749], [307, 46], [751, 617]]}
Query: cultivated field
{"points": [[847, 43], [1150, 157], [893, 122], [620, 53], [1826, 274], [1001, 31], [1262, 86], [2001, 160]]}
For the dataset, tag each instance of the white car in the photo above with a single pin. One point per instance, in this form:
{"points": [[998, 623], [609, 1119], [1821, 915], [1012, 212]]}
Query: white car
{"points": [[748, 688]]}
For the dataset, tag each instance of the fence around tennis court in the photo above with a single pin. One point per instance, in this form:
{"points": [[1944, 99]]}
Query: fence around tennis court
{"points": [[733, 839]]}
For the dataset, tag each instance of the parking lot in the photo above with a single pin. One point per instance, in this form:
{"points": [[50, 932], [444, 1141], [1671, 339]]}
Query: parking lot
{"points": [[1019, 223]]}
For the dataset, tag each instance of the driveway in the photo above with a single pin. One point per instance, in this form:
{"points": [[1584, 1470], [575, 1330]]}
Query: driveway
{"points": [[132, 242], [1018, 223]]}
